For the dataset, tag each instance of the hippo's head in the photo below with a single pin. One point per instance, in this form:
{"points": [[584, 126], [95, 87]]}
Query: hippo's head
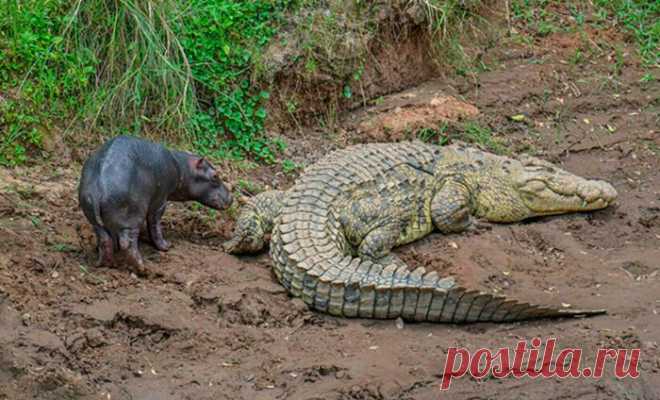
{"points": [[199, 181]]}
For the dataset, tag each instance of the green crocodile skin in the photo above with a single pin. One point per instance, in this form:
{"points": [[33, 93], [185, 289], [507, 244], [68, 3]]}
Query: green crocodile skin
{"points": [[332, 232]]}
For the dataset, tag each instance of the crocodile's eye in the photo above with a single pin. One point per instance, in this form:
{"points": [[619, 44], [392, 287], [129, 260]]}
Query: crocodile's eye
{"points": [[534, 187]]}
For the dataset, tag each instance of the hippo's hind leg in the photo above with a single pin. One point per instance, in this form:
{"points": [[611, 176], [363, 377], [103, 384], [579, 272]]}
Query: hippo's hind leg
{"points": [[128, 244], [105, 247], [156, 229]]}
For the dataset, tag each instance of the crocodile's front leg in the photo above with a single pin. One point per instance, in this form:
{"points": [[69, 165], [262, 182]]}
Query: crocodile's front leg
{"points": [[371, 226], [450, 207]]}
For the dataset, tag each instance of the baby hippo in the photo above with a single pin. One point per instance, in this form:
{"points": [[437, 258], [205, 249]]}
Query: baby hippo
{"points": [[129, 180]]}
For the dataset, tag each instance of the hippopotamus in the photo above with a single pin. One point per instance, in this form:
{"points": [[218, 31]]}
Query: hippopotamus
{"points": [[128, 181]]}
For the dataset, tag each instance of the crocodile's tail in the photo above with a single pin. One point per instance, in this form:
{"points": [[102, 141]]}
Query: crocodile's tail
{"points": [[351, 287]]}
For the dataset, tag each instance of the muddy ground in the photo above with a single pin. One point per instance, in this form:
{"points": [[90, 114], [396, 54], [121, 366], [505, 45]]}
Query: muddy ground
{"points": [[212, 326]]}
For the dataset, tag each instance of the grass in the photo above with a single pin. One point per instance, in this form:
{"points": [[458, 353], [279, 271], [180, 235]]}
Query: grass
{"points": [[469, 131], [640, 18], [197, 72], [174, 70], [473, 132]]}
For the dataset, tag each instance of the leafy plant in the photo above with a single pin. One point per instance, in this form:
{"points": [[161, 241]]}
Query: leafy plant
{"points": [[642, 19], [473, 132], [178, 69], [434, 135]]}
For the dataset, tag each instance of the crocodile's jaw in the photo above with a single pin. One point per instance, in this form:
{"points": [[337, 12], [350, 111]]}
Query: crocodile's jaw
{"points": [[531, 188]]}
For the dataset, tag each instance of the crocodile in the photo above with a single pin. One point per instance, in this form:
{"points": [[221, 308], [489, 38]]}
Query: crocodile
{"points": [[333, 231]]}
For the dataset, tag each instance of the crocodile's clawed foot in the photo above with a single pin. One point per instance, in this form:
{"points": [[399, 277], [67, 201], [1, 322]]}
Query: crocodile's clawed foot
{"points": [[479, 225]]}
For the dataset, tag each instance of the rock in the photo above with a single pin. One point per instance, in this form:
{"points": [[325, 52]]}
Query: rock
{"points": [[341, 375], [95, 337], [75, 342]]}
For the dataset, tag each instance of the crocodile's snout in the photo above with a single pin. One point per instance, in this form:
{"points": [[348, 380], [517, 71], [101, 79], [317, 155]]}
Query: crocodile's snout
{"points": [[550, 190], [598, 192]]}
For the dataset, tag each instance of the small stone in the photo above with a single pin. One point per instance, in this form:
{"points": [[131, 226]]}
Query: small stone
{"points": [[340, 374], [565, 305], [138, 373], [453, 245], [75, 342], [373, 347], [55, 275], [95, 337], [399, 323]]}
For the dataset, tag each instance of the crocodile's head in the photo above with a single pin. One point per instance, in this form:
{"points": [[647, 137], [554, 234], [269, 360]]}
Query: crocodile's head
{"points": [[528, 187]]}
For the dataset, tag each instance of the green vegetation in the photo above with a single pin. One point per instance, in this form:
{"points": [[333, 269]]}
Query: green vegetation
{"points": [[434, 135], [168, 68], [468, 131], [642, 19], [197, 72], [639, 17], [473, 132]]}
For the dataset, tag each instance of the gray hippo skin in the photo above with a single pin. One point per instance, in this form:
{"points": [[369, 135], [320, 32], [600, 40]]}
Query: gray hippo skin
{"points": [[129, 180]]}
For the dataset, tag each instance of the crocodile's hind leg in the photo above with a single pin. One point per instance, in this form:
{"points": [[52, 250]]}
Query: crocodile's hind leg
{"points": [[378, 243]]}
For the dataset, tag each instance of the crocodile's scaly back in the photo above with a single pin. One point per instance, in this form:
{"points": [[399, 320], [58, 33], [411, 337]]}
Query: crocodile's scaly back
{"points": [[313, 260]]}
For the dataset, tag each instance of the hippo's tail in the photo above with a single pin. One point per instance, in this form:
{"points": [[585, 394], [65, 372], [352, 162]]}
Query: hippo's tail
{"points": [[91, 207]]}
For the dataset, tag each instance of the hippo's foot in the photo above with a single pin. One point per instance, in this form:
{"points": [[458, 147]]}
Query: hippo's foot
{"points": [[134, 259], [128, 243], [104, 260], [162, 244], [105, 247], [156, 232]]}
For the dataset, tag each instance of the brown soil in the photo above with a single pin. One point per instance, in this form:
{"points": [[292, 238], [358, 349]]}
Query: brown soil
{"points": [[212, 326]]}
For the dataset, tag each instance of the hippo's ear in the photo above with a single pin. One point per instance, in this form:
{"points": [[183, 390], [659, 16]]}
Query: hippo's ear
{"points": [[201, 164]]}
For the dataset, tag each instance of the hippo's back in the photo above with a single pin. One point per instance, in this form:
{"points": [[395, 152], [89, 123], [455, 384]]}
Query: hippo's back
{"points": [[124, 171]]}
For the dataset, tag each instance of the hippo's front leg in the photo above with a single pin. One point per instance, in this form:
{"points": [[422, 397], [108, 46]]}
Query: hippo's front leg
{"points": [[156, 229]]}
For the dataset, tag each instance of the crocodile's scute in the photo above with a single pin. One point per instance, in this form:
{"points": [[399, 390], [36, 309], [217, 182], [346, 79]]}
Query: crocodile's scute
{"points": [[330, 261]]}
